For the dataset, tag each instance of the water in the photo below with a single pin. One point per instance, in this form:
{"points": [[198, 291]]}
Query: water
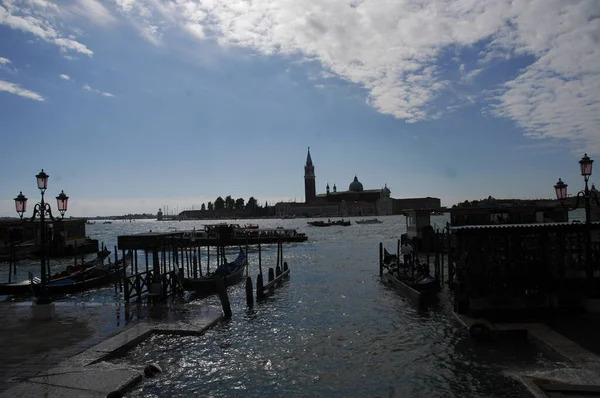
{"points": [[332, 330]]}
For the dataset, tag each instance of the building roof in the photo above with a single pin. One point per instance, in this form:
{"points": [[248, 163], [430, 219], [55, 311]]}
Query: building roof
{"points": [[309, 161], [530, 225], [355, 186]]}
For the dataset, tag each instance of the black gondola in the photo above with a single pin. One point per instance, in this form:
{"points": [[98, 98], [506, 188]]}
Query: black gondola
{"points": [[71, 272], [94, 277], [232, 273]]}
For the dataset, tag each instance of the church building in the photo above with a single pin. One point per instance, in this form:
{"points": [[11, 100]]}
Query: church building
{"points": [[356, 201]]}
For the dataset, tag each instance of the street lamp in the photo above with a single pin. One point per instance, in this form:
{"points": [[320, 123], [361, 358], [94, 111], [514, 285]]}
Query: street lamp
{"points": [[588, 195], [43, 210]]}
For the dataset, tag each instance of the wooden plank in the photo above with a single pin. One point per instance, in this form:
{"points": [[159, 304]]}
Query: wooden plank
{"points": [[276, 280]]}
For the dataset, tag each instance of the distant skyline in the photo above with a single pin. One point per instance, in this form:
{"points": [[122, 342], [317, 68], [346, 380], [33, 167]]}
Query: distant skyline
{"points": [[131, 105]]}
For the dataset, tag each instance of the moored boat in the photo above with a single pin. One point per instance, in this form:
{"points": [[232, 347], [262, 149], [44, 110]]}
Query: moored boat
{"points": [[413, 280], [70, 272], [371, 221], [232, 273], [329, 223], [95, 275]]}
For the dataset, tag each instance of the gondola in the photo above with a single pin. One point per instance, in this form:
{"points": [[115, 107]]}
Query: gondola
{"points": [[414, 282], [94, 277], [70, 272], [231, 273], [389, 259]]}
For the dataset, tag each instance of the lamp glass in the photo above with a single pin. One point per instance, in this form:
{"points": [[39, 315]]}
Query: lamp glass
{"points": [[21, 203], [42, 180], [62, 202], [561, 190], [586, 165]]}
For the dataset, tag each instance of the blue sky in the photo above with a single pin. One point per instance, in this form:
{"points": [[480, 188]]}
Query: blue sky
{"points": [[131, 105]]}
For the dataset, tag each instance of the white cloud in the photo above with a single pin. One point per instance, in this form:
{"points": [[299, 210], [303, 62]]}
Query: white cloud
{"points": [[38, 17], [65, 77], [392, 49], [4, 61], [94, 11], [14, 88], [87, 87]]}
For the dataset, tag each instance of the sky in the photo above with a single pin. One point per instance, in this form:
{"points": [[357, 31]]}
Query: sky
{"points": [[135, 105]]}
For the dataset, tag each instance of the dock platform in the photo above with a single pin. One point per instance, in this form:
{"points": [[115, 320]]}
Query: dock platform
{"points": [[582, 380], [70, 355]]}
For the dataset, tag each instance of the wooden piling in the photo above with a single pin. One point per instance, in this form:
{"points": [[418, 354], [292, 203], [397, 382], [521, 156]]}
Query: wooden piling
{"points": [[260, 291], [380, 259], [259, 260], [222, 290], [249, 293], [271, 275]]}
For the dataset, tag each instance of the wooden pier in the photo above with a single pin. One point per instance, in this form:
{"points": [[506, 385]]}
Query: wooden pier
{"points": [[239, 236], [173, 257]]}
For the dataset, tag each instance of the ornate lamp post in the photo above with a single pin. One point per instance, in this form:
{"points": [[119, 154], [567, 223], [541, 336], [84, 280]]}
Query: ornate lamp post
{"points": [[588, 196], [43, 210]]}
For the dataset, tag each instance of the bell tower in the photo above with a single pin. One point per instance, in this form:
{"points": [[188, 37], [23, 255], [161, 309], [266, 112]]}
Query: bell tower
{"points": [[310, 191]]}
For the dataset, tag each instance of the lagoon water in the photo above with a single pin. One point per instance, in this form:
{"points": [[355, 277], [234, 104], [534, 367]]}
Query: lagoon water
{"points": [[332, 330]]}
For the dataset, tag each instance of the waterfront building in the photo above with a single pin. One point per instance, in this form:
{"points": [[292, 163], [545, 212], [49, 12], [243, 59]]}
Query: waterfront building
{"points": [[65, 237], [356, 201]]}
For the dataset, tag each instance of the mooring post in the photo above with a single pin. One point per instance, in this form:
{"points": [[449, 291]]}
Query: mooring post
{"points": [[260, 290], [285, 266], [124, 279], [249, 293], [199, 260], [380, 259], [222, 290], [259, 260], [271, 275], [208, 259], [247, 258]]}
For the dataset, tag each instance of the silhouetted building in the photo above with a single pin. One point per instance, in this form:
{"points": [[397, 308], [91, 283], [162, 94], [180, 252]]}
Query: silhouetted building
{"points": [[356, 201], [310, 190], [416, 204]]}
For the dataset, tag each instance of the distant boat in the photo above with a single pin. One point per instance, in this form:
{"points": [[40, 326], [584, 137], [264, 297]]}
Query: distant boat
{"points": [[371, 221], [329, 223], [107, 222]]}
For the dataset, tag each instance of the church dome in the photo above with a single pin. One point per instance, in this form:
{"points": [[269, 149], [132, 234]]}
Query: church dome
{"points": [[355, 185]]}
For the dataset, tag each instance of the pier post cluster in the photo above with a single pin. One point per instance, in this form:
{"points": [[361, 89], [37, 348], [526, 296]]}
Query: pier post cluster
{"points": [[172, 259], [275, 276]]}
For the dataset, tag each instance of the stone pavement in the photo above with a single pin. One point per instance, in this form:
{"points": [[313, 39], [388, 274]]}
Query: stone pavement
{"points": [[54, 355]]}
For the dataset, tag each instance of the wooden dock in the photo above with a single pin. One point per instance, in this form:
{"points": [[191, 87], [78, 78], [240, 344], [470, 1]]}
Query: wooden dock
{"points": [[238, 236]]}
